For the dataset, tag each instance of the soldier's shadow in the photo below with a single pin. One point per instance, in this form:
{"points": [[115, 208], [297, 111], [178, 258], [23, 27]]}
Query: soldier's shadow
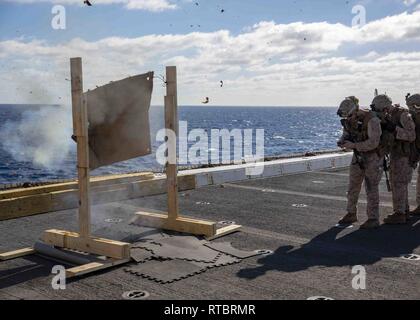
{"points": [[328, 249]]}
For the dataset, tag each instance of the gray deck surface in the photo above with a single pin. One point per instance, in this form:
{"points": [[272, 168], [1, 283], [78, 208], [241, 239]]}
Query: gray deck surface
{"points": [[310, 258]]}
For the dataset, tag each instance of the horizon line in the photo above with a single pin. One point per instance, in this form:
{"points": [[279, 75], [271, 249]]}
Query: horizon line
{"points": [[182, 105]]}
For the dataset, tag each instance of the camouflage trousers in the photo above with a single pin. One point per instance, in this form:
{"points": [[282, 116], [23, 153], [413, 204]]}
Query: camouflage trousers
{"points": [[418, 186], [371, 175], [401, 175]]}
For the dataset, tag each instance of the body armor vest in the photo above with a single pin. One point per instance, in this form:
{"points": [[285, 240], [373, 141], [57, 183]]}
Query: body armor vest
{"points": [[415, 147], [357, 126], [416, 119], [399, 148]]}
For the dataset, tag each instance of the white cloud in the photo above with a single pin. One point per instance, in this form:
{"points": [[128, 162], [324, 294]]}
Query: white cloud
{"points": [[268, 64], [399, 28], [409, 2], [149, 5]]}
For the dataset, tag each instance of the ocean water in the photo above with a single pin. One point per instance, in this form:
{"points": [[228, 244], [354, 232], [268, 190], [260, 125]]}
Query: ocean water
{"points": [[35, 142]]}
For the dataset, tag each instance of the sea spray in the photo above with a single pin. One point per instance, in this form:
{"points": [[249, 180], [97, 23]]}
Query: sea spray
{"points": [[41, 136]]}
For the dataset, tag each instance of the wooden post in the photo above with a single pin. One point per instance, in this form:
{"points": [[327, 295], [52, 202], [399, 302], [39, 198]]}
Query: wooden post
{"points": [[172, 220], [171, 123], [80, 130]]}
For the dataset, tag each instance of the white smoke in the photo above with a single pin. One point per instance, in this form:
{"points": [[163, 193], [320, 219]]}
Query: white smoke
{"points": [[41, 136]]}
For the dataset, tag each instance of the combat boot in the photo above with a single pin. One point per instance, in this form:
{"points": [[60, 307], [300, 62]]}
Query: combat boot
{"points": [[370, 224], [349, 218], [416, 211], [396, 218]]}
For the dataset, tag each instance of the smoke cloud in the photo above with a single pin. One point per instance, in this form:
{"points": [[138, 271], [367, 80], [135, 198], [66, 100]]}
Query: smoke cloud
{"points": [[41, 136]]}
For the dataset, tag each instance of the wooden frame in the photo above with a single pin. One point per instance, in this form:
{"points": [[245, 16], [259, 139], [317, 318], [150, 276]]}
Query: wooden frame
{"points": [[84, 241], [116, 252], [172, 219]]}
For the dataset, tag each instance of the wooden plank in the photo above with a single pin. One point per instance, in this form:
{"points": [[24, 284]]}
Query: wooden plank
{"points": [[159, 186], [13, 208], [110, 195], [92, 267], [172, 90], [181, 224], [80, 130], [62, 200], [171, 165], [221, 232], [171, 124], [76, 75], [68, 199], [16, 254], [99, 246], [95, 182]]}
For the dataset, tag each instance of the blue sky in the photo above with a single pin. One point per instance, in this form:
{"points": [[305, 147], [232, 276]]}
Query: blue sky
{"points": [[263, 46], [99, 21]]}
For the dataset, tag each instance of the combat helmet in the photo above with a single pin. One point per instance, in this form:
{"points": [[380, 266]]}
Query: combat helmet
{"points": [[348, 106], [413, 102], [381, 102]]}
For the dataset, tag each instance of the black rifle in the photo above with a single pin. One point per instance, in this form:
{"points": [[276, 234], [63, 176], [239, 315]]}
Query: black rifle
{"points": [[386, 170]]}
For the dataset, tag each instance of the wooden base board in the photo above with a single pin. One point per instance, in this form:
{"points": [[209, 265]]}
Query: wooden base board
{"points": [[71, 272], [181, 224], [221, 232], [99, 246], [16, 254], [94, 266]]}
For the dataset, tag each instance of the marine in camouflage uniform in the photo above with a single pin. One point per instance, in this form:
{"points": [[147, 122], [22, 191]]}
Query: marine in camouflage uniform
{"points": [[397, 123], [361, 133], [413, 103]]}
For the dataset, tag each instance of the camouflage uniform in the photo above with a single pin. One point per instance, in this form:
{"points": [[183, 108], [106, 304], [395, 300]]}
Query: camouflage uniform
{"points": [[366, 164], [401, 166], [417, 210], [413, 103]]}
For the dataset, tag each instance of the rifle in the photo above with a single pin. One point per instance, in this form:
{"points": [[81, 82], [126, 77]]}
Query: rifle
{"points": [[386, 169]]}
